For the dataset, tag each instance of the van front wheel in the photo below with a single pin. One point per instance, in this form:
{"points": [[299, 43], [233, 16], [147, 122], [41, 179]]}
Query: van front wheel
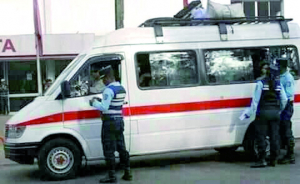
{"points": [[59, 159]]}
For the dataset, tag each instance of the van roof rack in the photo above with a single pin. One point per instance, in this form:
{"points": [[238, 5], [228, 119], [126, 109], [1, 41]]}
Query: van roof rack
{"points": [[158, 23]]}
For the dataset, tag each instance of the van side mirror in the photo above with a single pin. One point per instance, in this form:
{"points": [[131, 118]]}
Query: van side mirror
{"points": [[65, 89]]}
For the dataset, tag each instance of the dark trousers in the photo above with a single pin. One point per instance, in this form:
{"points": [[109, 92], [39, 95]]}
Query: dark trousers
{"points": [[286, 125], [268, 123], [113, 140]]}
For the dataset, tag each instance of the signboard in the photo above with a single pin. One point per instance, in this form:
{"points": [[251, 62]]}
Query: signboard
{"points": [[20, 45], [58, 44]]}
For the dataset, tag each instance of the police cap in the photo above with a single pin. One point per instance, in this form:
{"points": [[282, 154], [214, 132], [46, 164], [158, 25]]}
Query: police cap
{"points": [[105, 71]]}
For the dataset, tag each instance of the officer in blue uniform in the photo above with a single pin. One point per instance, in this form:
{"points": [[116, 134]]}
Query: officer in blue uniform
{"points": [[287, 81], [113, 125], [268, 100]]}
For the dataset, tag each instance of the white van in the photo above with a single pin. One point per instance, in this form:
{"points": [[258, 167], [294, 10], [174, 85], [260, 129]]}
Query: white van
{"points": [[186, 88]]}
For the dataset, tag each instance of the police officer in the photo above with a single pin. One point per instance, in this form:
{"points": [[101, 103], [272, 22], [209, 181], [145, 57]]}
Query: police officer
{"points": [[287, 81], [113, 125], [268, 100]]}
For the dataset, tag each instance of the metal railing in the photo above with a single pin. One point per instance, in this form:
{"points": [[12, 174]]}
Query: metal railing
{"points": [[170, 21]]}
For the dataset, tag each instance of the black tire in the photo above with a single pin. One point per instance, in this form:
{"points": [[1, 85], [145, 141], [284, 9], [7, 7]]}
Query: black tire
{"points": [[65, 151], [227, 149]]}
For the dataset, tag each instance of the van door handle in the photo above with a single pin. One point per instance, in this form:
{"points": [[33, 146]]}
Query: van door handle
{"points": [[125, 103]]}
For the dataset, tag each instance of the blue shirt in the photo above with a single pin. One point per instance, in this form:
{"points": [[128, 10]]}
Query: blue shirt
{"points": [[108, 95], [256, 97], [288, 83]]}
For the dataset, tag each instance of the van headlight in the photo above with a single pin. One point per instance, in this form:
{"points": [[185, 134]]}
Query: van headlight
{"points": [[13, 131]]}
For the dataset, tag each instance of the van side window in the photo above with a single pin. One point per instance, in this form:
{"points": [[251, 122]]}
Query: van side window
{"points": [[87, 81], [166, 69], [226, 66]]}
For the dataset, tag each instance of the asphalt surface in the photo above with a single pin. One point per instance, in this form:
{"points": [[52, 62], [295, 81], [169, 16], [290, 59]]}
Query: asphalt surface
{"points": [[201, 167]]}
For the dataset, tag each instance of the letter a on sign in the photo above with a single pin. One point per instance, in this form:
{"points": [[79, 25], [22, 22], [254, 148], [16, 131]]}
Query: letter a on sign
{"points": [[8, 45]]}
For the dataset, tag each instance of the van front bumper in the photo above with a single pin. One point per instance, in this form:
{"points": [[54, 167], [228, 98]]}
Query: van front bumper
{"points": [[23, 153]]}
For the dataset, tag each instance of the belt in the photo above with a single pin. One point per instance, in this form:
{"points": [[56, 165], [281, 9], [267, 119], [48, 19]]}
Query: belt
{"points": [[107, 117]]}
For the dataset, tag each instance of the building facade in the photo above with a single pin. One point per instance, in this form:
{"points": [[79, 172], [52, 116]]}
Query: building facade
{"points": [[18, 65]]}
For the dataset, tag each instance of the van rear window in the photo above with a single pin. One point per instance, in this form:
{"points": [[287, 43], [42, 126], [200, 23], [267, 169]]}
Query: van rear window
{"points": [[166, 69], [225, 66]]}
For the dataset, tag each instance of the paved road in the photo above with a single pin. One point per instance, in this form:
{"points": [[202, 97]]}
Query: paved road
{"points": [[201, 167]]}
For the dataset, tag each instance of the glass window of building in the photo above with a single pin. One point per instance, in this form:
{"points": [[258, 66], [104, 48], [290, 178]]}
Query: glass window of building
{"points": [[22, 77], [1, 70], [51, 69]]}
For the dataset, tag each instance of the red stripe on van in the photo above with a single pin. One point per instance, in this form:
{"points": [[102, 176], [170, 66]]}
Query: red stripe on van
{"points": [[194, 106], [68, 116], [143, 110], [90, 114], [43, 120]]}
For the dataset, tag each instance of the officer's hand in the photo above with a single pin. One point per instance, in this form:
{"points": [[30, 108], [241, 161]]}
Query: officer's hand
{"points": [[96, 98], [91, 102]]}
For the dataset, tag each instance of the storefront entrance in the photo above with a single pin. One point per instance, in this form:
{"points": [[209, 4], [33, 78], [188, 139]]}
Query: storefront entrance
{"points": [[18, 66], [21, 78]]}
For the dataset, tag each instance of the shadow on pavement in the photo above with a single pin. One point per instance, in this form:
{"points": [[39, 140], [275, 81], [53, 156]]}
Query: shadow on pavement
{"points": [[161, 160], [166, 160]]}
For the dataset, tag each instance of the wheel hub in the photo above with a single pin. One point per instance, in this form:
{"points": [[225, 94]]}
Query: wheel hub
{"points": [[60, 160]]}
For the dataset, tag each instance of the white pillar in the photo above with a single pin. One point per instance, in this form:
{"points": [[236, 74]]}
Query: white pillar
{"points": [[50, 70]]}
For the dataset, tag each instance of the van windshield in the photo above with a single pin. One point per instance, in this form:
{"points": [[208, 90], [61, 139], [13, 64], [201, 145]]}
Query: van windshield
{"points": [[63, 74]]}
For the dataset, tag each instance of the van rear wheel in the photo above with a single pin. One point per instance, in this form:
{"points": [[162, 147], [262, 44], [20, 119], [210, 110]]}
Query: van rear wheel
{"points": [[59, 159]]}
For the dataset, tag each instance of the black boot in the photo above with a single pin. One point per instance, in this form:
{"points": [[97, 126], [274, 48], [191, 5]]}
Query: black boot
{"points": [[273, 158], [127, 175], [108, 179], [289, 158], [272, 162], [261, 161]]}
